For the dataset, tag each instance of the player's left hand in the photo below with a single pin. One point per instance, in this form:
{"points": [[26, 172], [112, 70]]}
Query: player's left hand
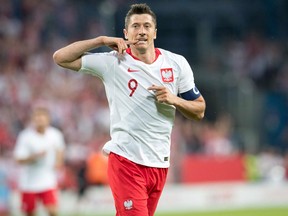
{"points": [[163, 94]]}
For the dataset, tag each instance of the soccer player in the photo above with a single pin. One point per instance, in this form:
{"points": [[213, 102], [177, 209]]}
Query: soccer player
{"points": [[144, 87], [39, 151]]}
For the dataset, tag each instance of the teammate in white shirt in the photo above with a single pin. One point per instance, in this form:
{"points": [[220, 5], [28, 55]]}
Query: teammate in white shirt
{"points": [[39, 151], [144, 86]]}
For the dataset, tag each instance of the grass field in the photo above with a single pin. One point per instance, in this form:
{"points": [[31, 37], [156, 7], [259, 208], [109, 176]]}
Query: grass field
{"points": [[250, 212], [245, 212]]}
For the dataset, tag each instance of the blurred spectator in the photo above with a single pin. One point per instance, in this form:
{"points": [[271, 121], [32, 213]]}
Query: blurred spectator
{"points": [[271, 165], [218, 137], [8, 178], [193, 137], [4, 189]]}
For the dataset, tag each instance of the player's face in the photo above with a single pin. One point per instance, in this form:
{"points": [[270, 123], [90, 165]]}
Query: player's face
{"points": [[40, 119], [141, 28]]}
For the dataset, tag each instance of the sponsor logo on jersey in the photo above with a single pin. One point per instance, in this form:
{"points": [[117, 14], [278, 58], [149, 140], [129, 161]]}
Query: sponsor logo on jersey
{"points": [[132, 70], [128, 204], [167, 74]]}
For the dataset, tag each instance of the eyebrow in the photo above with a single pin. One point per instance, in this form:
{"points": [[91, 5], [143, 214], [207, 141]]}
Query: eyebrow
{"points": [[137, 23]]}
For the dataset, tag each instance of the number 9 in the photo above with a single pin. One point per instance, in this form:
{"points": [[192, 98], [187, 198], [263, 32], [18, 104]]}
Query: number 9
{"points": [[132, 85]]}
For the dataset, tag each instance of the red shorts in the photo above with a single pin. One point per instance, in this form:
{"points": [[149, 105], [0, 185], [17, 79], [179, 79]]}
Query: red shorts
{"points": [[136, 189], [29, 199]]}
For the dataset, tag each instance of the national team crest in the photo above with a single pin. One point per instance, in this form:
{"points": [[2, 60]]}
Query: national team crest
{"points": [[167, 74], [128, 204]]}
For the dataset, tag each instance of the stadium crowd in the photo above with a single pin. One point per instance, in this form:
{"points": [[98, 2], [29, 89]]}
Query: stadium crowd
{"points": [[30, 31]]}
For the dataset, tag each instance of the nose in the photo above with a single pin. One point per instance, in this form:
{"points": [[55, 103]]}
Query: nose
{"points": [[142, 31]]}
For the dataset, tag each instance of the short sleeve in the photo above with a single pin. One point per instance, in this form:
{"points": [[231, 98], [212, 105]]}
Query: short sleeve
{"points": [[97, 64], [21, 150], [186, 78]]}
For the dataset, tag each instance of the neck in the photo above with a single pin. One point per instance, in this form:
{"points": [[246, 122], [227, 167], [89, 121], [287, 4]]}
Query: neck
{"points": [[40, 130], [147, 56]]}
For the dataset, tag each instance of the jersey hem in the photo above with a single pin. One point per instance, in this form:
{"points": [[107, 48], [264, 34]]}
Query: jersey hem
{"points": [[107, 152], [38, 190]]}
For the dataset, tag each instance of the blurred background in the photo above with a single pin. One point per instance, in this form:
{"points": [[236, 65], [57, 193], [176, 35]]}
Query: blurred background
{"points": [[237, 49]]}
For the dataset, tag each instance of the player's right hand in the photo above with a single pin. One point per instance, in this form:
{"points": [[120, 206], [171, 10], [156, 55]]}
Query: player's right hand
{"points": [[118, 44], [39, 155]]}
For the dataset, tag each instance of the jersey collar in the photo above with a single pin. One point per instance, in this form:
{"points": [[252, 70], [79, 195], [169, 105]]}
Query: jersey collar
{"points": [[157, 53]]}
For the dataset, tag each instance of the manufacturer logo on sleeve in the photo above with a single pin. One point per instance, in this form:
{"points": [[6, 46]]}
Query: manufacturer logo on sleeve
{"points": [[128, 204], [167, 74]]}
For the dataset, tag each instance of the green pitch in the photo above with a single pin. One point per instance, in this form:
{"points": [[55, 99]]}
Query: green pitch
{"points": [[245, 212]]}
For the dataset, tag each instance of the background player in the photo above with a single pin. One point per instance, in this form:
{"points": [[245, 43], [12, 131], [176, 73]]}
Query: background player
{"points": [[142, 83], [39, 151]]}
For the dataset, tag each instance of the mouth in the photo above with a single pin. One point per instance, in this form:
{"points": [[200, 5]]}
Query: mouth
{"points": [[142, 40]]}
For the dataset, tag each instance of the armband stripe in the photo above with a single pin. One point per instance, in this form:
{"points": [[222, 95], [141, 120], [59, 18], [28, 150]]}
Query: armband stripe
{"points": [[192, 94]]}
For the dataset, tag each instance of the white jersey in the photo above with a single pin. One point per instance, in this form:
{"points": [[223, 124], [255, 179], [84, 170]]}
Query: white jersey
{"points": [[41, 174], [140, 127]]}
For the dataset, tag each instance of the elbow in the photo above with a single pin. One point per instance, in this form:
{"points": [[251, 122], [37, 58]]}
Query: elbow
{"points": [[201, 114], [195, 116], [199, 117], [57, 57]]}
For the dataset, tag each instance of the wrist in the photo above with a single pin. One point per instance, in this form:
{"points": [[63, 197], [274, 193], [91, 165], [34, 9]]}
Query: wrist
{"points": [[176, 101], [34, 158], [101, 40]]}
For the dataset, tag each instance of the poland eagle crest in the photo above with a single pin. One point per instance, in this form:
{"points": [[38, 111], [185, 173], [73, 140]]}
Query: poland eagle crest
{"points": [[167, 74], [128, 204]]}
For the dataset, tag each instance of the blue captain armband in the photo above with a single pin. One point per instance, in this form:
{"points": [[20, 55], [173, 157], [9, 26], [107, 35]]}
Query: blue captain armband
{"points": [[192, 94]]}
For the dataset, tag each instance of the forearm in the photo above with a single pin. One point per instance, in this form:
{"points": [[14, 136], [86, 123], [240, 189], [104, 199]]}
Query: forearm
{"points": [[191, 109], [74, 51], [28, 160], [59, 158]]}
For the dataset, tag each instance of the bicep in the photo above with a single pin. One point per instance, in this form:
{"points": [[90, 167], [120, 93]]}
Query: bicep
{"points": [[200, 100], [74, 65]]}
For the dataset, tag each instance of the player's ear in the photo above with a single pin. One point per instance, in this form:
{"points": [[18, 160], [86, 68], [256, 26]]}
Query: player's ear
{"points": [[155, 34], [125, 34]]}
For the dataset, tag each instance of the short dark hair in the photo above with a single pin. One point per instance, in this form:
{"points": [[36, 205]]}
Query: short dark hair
{"points": [[139, 9]]}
